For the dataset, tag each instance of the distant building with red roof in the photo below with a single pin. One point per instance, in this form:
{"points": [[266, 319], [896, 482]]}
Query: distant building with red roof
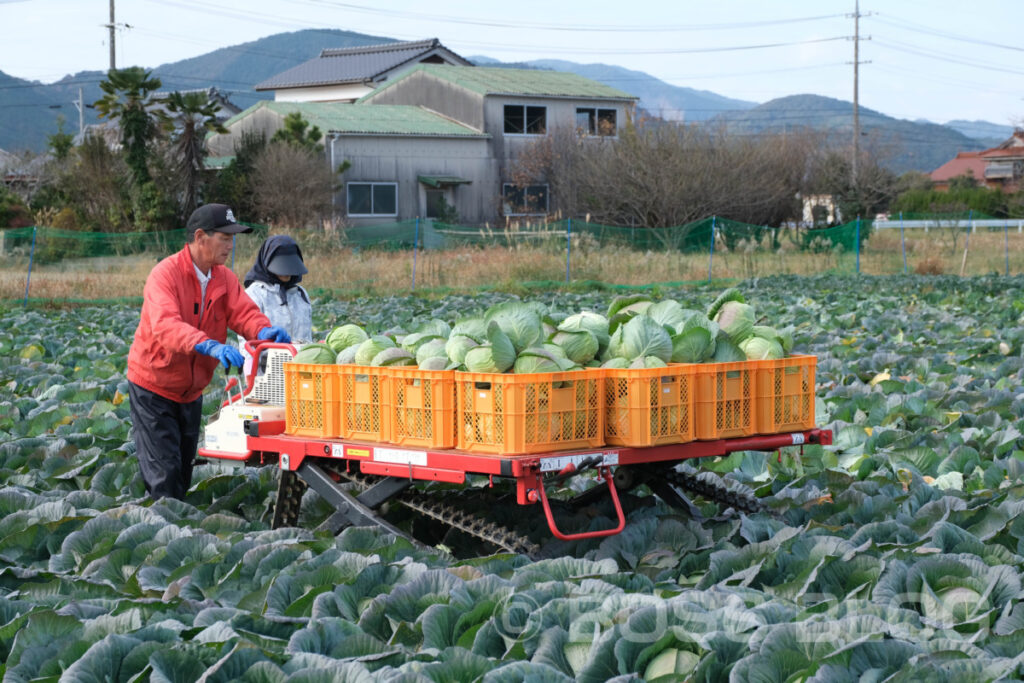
{"points": [[999, 167], [965, 163]]}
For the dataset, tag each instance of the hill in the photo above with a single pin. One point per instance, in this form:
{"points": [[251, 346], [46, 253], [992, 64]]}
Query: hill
{"points": [[30, 109], [901, 145], [989, 134]]}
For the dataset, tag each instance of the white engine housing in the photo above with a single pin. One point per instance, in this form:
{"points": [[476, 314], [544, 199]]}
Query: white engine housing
{"points": [[268, 387], [227, 432], [263, 401]]}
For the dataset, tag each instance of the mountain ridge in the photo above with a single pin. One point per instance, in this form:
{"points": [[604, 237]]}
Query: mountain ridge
{"points": [[901, 145], [30, 109]]}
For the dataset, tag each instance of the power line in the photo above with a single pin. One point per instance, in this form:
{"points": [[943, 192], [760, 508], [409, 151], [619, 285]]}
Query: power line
{"points": [[541, 26], [519, 47], [921, 52], [918, 28], [660, 51]]}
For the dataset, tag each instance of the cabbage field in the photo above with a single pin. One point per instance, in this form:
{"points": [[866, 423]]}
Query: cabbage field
{"points": [[894, 554]]}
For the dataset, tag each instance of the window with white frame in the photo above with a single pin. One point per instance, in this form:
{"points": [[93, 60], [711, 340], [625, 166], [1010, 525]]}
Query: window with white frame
{"points": [[525, 119], [372, 199], [595, 121], [528, 200]]}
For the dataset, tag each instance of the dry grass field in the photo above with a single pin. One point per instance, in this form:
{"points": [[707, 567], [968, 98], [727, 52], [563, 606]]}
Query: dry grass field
{"points": [[352, 272]]}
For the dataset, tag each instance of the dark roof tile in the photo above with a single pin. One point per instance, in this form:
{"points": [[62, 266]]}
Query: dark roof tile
{"points": [[363, 64]]}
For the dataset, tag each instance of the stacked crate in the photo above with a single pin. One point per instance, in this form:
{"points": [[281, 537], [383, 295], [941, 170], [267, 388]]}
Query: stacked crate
{"points": [[505, 414]]}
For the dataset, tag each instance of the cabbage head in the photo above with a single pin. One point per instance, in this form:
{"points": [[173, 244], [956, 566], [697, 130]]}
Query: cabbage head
{"points": [[644, 362], [617, 363], [431, 349], [519, 321], [635, 303], [529, 363], [595, 323], [344, 336], [347, 356], [784, 337], [457, 346], [371, 347], [393, 356], [693, 346], [736, 320], [579, 346], [614, 349], [498, 355], [411, 342], [503, 349], [435, 363], [554, 349], [474, 328], [316, 354], [481, 359], [642, 336], [437, 328], [667, 313], [731, 294], [759, 348], [727, 351], [546, 351]]}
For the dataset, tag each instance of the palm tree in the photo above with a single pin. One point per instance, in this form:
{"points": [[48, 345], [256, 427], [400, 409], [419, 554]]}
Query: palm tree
{"points": [[191, 116], [128, 96]]}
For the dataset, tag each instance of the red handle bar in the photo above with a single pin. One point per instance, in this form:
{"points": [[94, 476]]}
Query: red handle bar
{"points": [[606, 474]]}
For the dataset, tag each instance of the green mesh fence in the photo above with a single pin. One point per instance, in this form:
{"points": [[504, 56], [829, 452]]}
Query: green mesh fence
{"points": [[837, 249], [48, 245]]}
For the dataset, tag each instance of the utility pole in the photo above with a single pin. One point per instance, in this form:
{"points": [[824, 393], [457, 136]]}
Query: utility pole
{"points": [[113, 28], [80, 106], [856, 90]]}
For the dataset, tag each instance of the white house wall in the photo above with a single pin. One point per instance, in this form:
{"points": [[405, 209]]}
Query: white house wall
{"points": [[325, 93], [384, 159]]}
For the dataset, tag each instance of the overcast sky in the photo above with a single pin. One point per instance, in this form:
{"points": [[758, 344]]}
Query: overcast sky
{"points": [[933, 59]]}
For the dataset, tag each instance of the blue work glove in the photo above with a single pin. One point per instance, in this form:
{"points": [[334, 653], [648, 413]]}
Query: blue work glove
{"points": [[227, 355], [275, 333]]}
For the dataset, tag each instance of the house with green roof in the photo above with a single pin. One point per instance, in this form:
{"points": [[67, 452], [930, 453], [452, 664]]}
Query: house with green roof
{"points": [[515, 108], [439, 141]]}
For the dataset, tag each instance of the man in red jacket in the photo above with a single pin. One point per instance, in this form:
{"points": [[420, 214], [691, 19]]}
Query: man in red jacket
{"points": [[189, 302]]}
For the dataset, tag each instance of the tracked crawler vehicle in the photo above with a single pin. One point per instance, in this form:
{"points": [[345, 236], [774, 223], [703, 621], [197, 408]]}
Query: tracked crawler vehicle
{"points": [[339, 429]]}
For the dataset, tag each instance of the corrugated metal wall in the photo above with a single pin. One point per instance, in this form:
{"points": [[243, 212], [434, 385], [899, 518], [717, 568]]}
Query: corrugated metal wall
{"points": [[403, 159]]}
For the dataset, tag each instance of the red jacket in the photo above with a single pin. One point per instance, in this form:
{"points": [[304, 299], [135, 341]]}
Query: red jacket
{"points": [[162, 357]]}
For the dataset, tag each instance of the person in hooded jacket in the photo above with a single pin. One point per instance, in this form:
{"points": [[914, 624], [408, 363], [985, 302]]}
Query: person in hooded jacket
{"points": [[273, 284]]}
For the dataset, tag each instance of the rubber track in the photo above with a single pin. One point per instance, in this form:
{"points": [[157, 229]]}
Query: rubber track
{"points": [[709, 487], [289, 499], [469, 523]]}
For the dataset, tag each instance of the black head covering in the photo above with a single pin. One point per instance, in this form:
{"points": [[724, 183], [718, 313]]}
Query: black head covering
{"points": [[276, 245]]}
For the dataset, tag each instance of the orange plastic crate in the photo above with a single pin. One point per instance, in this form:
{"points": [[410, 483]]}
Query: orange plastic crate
{"points": [[365, 414], [508, 414], [649, 407], [422, 407], [723, 400], [785, 394], [312, 400]]}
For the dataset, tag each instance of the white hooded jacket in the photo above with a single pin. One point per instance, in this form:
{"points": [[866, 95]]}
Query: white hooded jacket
{"points": [[295, 316]]}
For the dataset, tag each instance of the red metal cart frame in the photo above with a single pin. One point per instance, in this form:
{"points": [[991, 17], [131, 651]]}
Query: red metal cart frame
{"points": [[268, 444]]}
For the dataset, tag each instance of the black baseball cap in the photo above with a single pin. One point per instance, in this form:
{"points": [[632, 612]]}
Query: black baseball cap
{"points": [[287, 260], [215, 218]]}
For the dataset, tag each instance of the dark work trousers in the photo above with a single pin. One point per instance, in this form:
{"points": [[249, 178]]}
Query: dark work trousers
{"points": [[166, 438]]}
